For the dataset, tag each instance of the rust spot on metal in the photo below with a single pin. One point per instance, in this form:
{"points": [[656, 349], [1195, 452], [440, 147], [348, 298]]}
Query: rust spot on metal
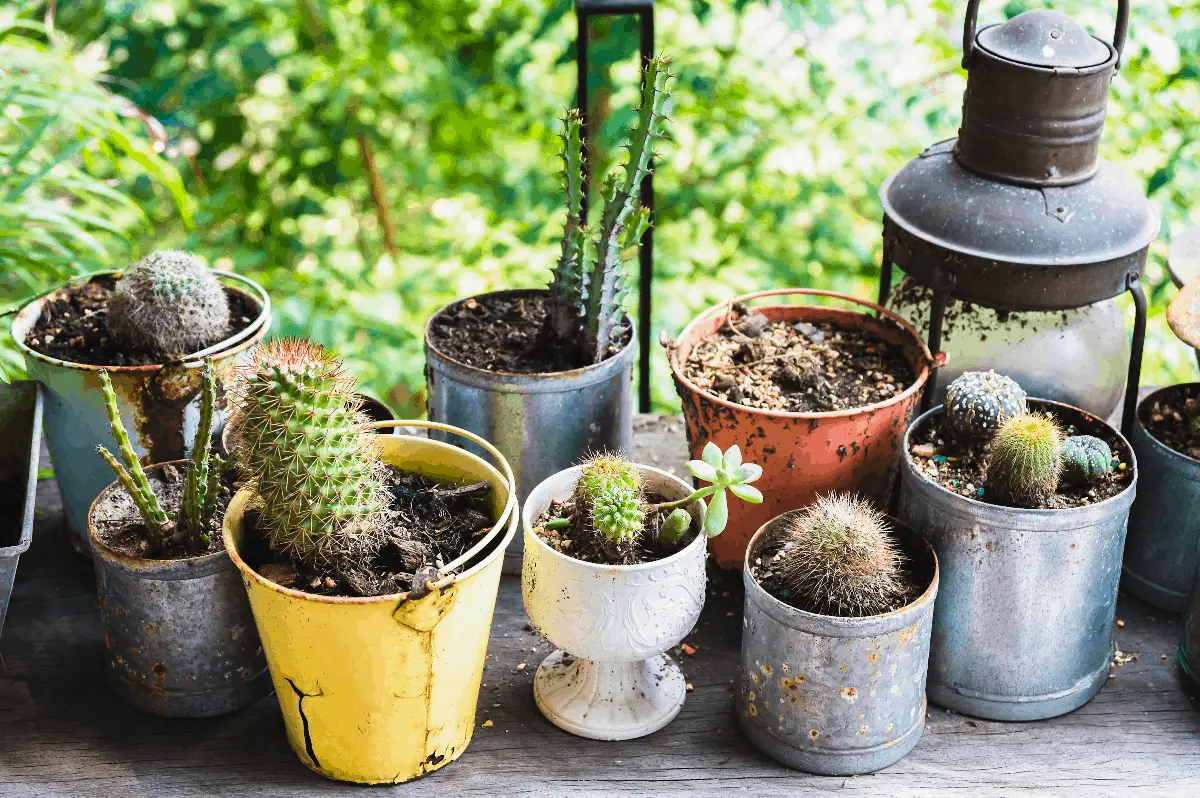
{"points": [[872, 657], [814, 733], [906, 635], [766, 670], [850, 693], [752, 710]]}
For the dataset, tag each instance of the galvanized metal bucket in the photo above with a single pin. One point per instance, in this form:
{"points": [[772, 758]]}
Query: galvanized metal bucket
{"points": [[160, 406], [1023, 624], [1163, 549], [21, 425], [542, 423], [829, 695], [179, 638]]}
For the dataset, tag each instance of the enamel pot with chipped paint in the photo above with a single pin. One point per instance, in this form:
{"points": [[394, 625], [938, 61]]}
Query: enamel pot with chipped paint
{"points": [[1023, 624], [829, 695], [802, 454], [542, 423], [159, 404], [179, 638], [383, 689], [610, 678]]}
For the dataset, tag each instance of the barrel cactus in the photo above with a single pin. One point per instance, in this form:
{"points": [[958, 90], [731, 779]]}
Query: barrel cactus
{"points": [[300, 443], [1085, 459], [609, 491], [1025, 460], [169, 303], [977, 402], [838, 557]]}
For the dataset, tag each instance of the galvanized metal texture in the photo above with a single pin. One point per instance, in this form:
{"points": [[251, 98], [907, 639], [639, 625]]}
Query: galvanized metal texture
{"points": [[829, 695], [179, 637], [1162, 551], [20, 424], [1023, 624], [542, 423], [160, 406]]}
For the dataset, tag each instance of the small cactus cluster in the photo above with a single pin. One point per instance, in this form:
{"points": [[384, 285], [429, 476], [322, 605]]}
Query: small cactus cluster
{"points": [[169, 303], [1085, 459], [202, 481], [299, 442], [1024, 461], [978, 402], [611, 490], [587, 289], [838, 557]]}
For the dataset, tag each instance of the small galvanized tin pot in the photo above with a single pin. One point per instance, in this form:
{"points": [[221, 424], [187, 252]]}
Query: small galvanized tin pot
{"points": [[542, 423], [1023, 624], [21, 430], [179, 637], [829, 695], [1163, 549]]}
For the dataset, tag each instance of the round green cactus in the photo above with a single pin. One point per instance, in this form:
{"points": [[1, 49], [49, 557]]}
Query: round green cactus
{"points": [[838, 557], [617, 511], [977, 402], [1085, 459], [169, 303], [1025, 460]]}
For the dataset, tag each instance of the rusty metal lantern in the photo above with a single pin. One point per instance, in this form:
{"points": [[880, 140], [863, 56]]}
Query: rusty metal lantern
{"points": [[1019, 212]]}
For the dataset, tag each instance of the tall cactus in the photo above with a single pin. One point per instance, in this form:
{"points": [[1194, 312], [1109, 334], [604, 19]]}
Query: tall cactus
{"points": [[299, 441]]}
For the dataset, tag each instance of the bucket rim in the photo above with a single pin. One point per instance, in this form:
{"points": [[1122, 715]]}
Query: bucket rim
{"points": [[1161, 448], [929, 361]]}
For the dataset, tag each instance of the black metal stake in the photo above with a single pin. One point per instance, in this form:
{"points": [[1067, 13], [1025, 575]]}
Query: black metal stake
{"points": [[1133, 381], [644, 9], [937, 309]]}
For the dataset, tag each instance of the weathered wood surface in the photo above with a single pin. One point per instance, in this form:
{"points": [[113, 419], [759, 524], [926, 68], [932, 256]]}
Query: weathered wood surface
{"points": [[63, 733]]}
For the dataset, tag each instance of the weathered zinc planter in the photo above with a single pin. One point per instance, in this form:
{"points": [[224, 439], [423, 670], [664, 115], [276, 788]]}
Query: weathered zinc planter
{"points": [[21, 430], [160, 405], [179, 638], [802, 454], [1022, 629], [542, 423], [610, 678], [1163, 549], [830, 695], [382, 690]]}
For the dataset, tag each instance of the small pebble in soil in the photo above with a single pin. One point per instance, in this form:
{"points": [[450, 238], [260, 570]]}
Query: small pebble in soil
{"points": [[689, 650], [926, 450], [521, 666], [1120, 624]]}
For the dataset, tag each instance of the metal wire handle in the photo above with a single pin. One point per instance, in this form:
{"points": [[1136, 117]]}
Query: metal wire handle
{"points": [[1118, 43]]}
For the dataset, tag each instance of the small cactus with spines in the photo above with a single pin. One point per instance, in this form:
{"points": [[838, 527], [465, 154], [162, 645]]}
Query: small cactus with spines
{"points": [[1086, 459], [838, 557], [300, 443], [1024, 461], [169, 303], [978, 402], [191, 523]]}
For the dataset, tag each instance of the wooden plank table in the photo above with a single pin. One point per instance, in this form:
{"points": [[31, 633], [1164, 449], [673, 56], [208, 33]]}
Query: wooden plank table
{"points": [[63, 733]]}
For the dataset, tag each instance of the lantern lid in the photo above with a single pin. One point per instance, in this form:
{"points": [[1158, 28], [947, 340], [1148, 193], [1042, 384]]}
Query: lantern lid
{"points": [[1044, 38]]}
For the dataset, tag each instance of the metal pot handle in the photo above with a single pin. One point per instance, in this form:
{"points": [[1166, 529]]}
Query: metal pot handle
{"points": [[968, 48], [510, 506]]}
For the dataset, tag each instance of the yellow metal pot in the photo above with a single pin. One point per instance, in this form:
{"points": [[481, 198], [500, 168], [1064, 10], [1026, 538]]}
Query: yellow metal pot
{"points": [[383, 690]]}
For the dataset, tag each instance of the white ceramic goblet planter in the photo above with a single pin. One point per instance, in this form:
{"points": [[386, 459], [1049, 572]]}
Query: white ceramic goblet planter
{"points": [[610, 678]]}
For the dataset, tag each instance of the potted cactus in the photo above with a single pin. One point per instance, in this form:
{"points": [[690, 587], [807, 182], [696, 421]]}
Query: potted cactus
{"points": [[372, 564], [613, 575], [1026, 503], [547, 374], [835, 641], [153, 534], [150, 327]]}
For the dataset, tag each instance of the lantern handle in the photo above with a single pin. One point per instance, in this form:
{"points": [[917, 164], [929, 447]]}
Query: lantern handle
{"points": [[1118, 42]]}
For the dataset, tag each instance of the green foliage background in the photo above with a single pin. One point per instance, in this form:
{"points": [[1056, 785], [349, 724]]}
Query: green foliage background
{"points": [[786, 118]]}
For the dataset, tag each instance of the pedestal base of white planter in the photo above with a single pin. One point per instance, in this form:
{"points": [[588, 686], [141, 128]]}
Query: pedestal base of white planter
{"points": [[609, 701]]}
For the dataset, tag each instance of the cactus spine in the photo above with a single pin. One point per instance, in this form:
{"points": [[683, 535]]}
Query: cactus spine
{"points": [[609, 491], [977, 402], [299, 440], [1025, 460], [169, 303]]}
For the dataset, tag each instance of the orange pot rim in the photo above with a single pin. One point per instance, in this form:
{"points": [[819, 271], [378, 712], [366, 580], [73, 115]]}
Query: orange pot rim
{"points": [[929, 360]]}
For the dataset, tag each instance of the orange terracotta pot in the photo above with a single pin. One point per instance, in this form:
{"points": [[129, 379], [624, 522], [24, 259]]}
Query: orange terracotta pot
{"points": [[802, 454]]}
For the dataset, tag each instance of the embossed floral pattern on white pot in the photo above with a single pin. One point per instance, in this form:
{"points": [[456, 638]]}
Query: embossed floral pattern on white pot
{"points": [[610, 679]]}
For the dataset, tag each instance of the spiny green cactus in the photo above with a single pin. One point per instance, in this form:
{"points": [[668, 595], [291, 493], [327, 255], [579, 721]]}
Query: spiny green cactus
{"points": [[588, 290], [1085, 459], [1024, 460], [169, 303], [838, 557], [977, 402], [199, 500], [299, 441], [617, 511]]}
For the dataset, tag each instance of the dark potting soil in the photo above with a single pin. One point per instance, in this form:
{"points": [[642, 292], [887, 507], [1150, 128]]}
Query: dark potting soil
{"points": [[1173, 419], [119, 524], [959, 467], [796, 368], [437, 522], [582, 542], [506, 333], [73, 326]]}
